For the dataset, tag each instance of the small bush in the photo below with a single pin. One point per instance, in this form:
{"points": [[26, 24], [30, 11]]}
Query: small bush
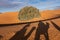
{"points": [[28, 13]]}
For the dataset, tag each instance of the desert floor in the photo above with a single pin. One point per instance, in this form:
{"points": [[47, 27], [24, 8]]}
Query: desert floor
{"points": [[47, 28]]}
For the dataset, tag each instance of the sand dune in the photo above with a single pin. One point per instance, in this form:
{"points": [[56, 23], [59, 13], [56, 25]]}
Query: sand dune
{"points": [[12, 17], [8, 17], [44, 30]]}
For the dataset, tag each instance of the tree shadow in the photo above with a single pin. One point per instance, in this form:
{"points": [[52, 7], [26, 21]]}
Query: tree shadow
{"points": [[55, 25], [20, 35], [42, 29]]}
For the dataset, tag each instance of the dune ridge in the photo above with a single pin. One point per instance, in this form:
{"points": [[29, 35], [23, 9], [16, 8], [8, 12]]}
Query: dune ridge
{"points": [[12, 17]]}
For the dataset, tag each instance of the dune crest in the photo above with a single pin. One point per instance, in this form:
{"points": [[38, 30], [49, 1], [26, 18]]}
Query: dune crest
{"points": [[12, 17]]}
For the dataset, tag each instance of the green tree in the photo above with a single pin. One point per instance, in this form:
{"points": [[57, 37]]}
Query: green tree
{"points": [[28, 13]]}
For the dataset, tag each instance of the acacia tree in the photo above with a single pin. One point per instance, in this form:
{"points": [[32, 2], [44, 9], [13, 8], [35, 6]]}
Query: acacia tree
{"points": [[28, 13]]}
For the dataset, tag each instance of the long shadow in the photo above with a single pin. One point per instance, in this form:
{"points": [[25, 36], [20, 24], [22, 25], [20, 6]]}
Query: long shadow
{"points": [[3, 25], [20, 35], [1, 37], [42, 29], [55, 25], [28, 35]]}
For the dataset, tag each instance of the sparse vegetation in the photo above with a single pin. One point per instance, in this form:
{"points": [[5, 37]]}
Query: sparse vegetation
{"points": [[28, 13]]}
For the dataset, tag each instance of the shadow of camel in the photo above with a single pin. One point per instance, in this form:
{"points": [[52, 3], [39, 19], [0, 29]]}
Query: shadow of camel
{"points": [[20, 35], [42, 29], [3, 25], [55, 25]]}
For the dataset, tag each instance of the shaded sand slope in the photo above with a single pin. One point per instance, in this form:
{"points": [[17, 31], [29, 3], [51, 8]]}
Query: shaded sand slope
{"points": [[49, 29]]}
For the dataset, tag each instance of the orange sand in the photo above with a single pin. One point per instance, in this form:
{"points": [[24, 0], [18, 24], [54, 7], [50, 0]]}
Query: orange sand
{"points": [[12, 17], [7, 32]]}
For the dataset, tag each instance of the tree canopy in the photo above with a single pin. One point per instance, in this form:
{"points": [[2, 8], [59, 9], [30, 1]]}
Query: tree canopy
{"points": [[28, 13]]}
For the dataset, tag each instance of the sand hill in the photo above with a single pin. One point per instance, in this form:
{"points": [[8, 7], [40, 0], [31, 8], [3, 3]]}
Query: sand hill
{"points": [[44, 30], [12, 17]]}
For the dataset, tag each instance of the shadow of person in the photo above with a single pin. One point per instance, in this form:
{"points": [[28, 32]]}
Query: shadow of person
{"points": [[28, 35], [55, 25], [20, 35], [1, 37], [42, 29]]}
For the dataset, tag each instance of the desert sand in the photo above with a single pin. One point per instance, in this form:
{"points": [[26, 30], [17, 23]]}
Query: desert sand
{"points": [[47, 26]]}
